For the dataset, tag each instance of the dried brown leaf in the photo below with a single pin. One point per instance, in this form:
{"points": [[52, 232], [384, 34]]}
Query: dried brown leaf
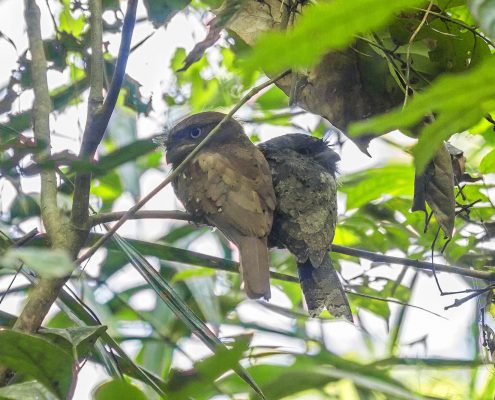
{"points": [[436, 187]]}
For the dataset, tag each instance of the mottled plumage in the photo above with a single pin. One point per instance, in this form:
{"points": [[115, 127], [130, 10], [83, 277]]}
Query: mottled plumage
{"points": [[228, 183], [303, 170]]}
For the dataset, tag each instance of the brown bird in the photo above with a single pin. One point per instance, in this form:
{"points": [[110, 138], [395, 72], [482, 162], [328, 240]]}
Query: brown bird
{"points": [[228, 184], [303, 170]]}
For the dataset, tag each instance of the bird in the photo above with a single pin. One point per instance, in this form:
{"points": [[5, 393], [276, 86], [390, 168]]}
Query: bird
{"points": [[227, 184], [303, 170]]}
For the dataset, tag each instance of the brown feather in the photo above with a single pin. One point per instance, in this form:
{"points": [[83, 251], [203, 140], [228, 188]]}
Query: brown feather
{"points": [[229, 184]]}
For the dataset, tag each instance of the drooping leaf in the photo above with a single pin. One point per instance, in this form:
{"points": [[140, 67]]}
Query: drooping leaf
{"points": [[458, 102], [436, 187], [321, 28], [35, 356], [161, 11]]}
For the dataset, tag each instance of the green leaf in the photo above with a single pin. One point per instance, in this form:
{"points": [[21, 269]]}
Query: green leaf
{"points": [[171, 298], [458, 102], [78, 341], [191, 274], [52, 263], [31, 390], [487, 164], [35, 356], [24, 206], [365, 186], [118, 389], [484, 12], [208, 371], [161, 11], [323, 27], [69, 24]]}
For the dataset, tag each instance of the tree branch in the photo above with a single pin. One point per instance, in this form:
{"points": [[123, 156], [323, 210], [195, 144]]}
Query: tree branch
{"points": [[368, 255], [94, 131], [97, 64], [179, 168], [98, 118], [151, 214], [41, 120], [425, 265]]}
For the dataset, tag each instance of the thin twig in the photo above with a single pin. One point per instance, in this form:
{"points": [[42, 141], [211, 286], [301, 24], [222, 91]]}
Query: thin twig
{"points": [[408, 52], [402, 303], [177, 170], [146, 214], [458, 302]]}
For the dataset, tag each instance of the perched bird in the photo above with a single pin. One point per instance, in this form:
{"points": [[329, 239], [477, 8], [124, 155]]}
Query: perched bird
{"points": [[228, 184], [303, 170]]}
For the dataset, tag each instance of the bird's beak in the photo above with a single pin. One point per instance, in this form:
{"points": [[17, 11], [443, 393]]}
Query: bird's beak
{"points": [[161, 139]]}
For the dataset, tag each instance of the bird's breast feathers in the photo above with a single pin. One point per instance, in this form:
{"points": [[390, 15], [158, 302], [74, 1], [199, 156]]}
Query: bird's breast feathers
{"points": [[233, 187]]}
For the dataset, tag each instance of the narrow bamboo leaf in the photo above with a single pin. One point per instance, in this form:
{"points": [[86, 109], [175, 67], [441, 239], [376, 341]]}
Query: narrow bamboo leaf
{"points": [[321, 28], [35, 356], [179, 307], [170, 253]]}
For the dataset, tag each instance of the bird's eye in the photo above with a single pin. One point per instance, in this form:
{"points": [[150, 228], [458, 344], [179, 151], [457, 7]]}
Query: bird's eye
{"points": [[195, 133]]}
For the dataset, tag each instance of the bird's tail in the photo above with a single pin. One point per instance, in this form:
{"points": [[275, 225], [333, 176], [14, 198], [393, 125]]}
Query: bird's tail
{"points": [[321, 287], [255, 267]]}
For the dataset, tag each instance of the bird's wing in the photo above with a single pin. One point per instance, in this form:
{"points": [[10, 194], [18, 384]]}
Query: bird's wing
{"points": [[307, 207], [236, 198]]}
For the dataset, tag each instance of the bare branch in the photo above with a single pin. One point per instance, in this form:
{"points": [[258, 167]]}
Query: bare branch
{"points": [[485, 275], [147, 214]]}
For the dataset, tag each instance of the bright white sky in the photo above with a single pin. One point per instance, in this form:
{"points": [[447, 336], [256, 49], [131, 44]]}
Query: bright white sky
{"points": [[450, 337]]}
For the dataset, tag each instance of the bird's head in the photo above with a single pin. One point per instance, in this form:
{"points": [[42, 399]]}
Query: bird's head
{"points": [[308, 146], [190, 131]]}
